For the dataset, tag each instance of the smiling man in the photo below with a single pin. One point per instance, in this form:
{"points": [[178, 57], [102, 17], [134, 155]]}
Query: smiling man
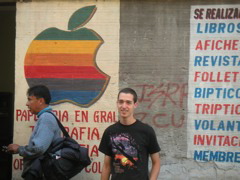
{"points": [[46, 130], [128, 143]]}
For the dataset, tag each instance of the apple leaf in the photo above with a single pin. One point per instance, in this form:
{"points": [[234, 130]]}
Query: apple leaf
{"points": [[81, 17]]}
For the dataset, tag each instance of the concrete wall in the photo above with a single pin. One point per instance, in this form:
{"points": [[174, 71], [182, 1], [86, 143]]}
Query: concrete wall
{"points": [[154, 59]]}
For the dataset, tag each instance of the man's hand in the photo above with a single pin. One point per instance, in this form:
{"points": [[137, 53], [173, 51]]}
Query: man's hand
{"points": [[12, 148]]}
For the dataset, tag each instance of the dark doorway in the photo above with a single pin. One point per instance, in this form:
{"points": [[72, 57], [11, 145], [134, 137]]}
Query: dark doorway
{"points": [[6, 134], [7, 63]]}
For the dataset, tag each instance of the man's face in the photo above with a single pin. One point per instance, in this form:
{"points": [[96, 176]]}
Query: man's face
{"points": [[34, 104], [126, 105]]}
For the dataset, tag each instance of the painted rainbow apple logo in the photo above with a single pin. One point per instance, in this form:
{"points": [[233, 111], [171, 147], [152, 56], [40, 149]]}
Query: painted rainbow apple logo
{"points": [[65, 62]]}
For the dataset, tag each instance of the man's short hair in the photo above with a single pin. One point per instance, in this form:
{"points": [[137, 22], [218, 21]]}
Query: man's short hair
{"points": [[40, 91], [129, 91]]}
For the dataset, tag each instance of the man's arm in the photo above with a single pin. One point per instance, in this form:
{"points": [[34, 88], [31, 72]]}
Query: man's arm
{"points": [[155, 166], [106, 168]]}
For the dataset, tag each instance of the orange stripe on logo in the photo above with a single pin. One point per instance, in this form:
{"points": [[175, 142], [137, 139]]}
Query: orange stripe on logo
{"points": [[64, 46]]}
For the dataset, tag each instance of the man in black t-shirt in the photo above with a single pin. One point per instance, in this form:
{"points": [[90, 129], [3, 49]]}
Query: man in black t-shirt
{"points": [[128, 143]]}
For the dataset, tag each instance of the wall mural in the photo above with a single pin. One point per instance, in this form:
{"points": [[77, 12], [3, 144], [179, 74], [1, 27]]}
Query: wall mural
{"points": [[65, 61], [60, 48]]}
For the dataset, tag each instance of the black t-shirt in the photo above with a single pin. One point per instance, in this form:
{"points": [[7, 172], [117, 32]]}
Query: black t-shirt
{"points": [[129, 147]]}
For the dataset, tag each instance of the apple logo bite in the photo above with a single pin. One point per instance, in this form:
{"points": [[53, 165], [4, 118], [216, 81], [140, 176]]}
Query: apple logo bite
{"points": [[65, 61]]}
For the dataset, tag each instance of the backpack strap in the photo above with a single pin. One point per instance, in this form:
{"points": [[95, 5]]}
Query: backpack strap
{"points": [[65, 133]]}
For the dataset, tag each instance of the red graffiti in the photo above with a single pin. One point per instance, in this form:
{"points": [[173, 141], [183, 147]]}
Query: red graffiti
{"points": [[25, 115], [18, 164], [80, 133], [169, 98], [94, 167], [173, 93], [81, 116]]}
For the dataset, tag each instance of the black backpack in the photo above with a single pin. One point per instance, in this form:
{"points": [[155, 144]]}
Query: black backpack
{"points": [[72, 160]]}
